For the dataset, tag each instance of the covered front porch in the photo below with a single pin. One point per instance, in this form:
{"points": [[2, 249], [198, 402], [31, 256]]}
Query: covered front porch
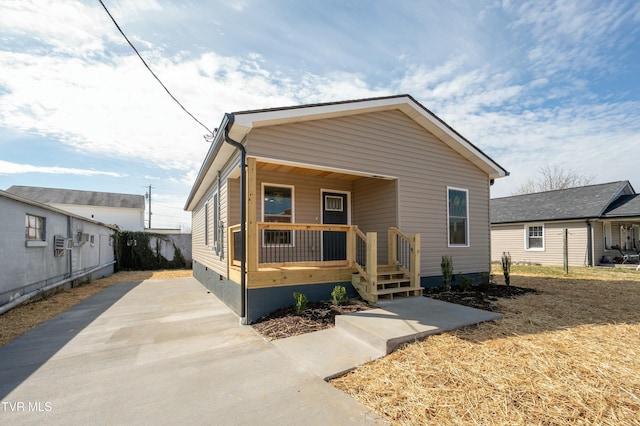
{"points": [[319, 227], [621, 241]]}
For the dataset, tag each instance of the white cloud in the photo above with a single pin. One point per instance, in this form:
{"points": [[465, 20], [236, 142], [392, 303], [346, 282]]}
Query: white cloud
{"points": [[90, 92], [9, 168]]}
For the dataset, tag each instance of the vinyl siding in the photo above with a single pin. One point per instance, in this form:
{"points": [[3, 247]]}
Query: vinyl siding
{"points": [[389, 143], [511, 238], [202, 253], [375, 210]]}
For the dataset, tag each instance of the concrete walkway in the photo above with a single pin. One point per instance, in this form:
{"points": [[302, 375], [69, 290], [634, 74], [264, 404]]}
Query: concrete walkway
{"points": [[161, 352], [367, 335]]}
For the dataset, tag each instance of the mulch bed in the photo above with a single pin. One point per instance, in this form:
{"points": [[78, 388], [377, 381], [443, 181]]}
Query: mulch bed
{"points": [[480, 297], [286, 322], [318, 316]]}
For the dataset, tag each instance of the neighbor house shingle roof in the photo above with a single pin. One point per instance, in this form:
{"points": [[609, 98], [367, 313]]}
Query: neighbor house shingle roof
{"points": [[76, 197], [573, 203], [625, 206]]}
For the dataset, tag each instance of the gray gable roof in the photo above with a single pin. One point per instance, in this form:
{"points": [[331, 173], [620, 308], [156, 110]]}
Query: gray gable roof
{"points": [[625, 206], [573, 203], [76, 197]]}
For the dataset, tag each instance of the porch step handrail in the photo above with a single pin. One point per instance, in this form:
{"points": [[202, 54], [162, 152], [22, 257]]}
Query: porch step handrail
{"points": [[404, 252], [365, 258]]}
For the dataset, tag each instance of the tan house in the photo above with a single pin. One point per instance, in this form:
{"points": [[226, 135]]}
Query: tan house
{"points": [[369, 194], [601, 222]]}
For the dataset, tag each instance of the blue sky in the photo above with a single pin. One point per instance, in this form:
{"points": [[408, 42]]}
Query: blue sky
{"points": [[530, 83]]}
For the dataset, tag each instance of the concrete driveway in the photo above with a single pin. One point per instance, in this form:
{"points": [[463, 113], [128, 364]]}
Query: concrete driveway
{"points": [[161, 352]]}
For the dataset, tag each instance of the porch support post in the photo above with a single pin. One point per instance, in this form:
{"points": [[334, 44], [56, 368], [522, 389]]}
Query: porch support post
{"points": [[372, 261], [252, 225], [392, 243], [351, 245], [415, 260]]}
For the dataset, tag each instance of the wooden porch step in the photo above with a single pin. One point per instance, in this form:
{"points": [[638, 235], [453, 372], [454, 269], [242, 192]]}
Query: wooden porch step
{"points": [[401, 291], [394, 281]]}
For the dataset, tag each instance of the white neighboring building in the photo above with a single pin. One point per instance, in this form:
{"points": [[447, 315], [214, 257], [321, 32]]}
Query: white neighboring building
{"points": [[124, 210]]}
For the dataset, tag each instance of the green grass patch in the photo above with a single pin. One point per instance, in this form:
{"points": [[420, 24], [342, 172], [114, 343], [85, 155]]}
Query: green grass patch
{"points": [[576, 272]]}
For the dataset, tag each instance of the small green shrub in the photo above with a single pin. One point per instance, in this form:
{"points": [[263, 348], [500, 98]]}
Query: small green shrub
{"points": [[466, 282], [487, 278], [301, 302], [339, 295], [446, 265], [506, 267]]}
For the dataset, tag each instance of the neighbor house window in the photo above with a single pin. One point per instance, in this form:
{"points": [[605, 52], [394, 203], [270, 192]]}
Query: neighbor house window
{"points": [[458, 215], [534, 237], [34, 228], [277, 207]]}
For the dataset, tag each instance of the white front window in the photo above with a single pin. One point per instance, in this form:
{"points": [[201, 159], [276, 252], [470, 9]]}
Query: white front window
{"points": [[534, 237], [458, 216], [277, 206]]}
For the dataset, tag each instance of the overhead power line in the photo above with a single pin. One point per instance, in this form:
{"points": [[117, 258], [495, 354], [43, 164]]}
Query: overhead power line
{"points": [[151, 71]]}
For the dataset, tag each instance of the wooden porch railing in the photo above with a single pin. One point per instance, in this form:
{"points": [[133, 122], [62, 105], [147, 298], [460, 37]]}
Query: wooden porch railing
{"points": [[404, 252], [318, 245]]}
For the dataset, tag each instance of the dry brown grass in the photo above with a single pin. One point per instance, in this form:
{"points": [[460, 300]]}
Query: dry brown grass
{"points": [[570, 355], [23, 318]]}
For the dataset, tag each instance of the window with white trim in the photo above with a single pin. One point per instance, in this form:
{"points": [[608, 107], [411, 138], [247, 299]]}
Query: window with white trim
{"points": [[534, 237], [277, 206], [35, 227], [458, 216], [333, 203]]}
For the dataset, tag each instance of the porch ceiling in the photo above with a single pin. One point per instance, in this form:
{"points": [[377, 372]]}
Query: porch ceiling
{"points": [[284, 168], [315, 171]]}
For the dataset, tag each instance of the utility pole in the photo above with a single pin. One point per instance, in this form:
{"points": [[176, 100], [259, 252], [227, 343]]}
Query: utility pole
{"points": [[148, 195]]}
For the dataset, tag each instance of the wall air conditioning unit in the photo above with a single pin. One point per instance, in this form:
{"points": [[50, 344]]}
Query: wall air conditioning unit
{"points": [[59, 245], [81, 238]]}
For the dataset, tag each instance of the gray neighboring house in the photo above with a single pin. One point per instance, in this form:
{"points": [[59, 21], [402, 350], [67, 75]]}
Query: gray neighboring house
{"points": [[368, 194], [124, 210], [44, 248], [603, 221]]}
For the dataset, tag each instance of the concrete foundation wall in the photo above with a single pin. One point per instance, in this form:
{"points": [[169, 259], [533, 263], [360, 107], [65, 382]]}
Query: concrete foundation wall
{"points": [[224, 289], [263, 301]]}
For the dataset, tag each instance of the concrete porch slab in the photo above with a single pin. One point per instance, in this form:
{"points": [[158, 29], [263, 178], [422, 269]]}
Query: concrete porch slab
{"points": [[368, 335], [404, 320], [328, 353]]}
